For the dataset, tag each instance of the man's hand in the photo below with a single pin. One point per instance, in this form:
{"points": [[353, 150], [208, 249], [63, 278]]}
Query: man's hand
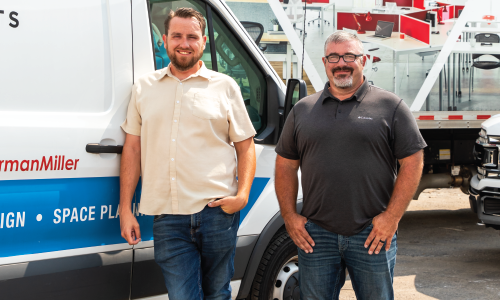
{"points": [[231, 204], [386, 223], [130, 228], [384, 228], [295, 225]]}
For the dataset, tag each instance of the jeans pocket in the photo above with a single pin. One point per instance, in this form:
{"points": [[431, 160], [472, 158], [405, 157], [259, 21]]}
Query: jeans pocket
{"points": [[158, 217], [307, 223], [225, 213]]}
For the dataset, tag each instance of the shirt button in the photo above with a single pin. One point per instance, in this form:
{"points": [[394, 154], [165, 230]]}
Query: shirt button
{"points": [[340, 111], [173, 178], [175, 121], [173, 140], [172, 159], [181, 83], [177, 101]]}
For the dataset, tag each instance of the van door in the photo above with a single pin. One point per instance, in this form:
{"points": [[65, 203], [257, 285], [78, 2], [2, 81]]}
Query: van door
{"points": [[66, 80]]}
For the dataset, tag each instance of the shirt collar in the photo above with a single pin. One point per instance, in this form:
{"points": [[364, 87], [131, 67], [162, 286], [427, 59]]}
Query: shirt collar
{"points": [[203, 72], [358, 95]]}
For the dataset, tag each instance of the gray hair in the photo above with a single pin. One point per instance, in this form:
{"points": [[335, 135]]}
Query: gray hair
{"points": [[342, 36]]}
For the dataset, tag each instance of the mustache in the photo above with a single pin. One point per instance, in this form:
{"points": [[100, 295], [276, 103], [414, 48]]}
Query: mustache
{"points": [[344, 68], [183, 49]]}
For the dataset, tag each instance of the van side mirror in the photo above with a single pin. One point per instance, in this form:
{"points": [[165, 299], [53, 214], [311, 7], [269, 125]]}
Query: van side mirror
{"points": [[296, 89]]}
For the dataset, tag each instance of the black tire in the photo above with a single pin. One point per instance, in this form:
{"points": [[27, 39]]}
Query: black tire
{"points": [[280, 253]]}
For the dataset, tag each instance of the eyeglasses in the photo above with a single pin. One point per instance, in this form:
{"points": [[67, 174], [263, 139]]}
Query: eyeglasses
{"points": [[335, 58]]}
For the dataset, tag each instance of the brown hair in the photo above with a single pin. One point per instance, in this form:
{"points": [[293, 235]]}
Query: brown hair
{"points": [[186, 13]]}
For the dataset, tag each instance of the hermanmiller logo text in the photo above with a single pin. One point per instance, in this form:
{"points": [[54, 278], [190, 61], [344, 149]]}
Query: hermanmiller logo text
{"points": [[58, 162]]}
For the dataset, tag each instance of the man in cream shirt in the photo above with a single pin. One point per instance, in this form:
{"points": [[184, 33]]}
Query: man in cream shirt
{"points": [[183, 125]]}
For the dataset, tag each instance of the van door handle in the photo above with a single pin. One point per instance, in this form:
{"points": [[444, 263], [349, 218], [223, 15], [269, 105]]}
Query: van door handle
{"points": [[98, 148]]}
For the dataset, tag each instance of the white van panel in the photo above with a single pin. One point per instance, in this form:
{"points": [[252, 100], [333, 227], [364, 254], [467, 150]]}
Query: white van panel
{"points": [[55, 198], [61, 60]]}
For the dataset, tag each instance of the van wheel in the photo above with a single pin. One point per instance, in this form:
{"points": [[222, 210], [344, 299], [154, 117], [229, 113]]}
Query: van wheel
{"points": [[277, 277]]}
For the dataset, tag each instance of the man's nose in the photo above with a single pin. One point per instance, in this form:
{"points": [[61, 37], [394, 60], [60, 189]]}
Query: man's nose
{"points": [[184, 43], [341, 62]]}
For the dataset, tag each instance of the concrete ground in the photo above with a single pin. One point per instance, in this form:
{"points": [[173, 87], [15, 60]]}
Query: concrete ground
{"points": [[442, 253]]}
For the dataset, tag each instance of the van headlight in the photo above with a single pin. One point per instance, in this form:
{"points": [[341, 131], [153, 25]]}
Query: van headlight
{"points": [[482, 133], [481, 171]]}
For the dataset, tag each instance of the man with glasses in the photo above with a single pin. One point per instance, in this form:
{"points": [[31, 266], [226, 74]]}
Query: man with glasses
{"points": [[347, 140]]}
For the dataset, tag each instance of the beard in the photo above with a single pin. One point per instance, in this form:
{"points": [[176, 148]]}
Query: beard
{"points": [[184, 63], [342, 81]]}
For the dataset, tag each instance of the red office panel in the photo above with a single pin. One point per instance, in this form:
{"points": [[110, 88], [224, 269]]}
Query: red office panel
{"points": [[449, 14], [457, 8], [420, 15], [450, 10], [419, 4], [408, 3], [347, 20], [416, 29]]}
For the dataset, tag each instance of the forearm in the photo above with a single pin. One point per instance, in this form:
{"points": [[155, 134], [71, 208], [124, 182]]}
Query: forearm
{"points": [[406, 185], [287, 187], [246, 168], [130, 170]]}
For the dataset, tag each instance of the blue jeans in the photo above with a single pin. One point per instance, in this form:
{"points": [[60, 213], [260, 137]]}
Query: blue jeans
{"points": [[196, 253], [322, 273]]}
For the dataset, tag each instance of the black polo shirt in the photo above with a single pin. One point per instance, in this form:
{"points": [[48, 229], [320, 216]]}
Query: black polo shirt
{"points": [[348, 152]]}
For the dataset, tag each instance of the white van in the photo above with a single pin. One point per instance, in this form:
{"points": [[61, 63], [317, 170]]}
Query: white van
{"points": [[67, 69]]}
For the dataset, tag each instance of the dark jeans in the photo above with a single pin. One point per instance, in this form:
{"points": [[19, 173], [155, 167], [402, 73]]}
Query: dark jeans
{"points": [[322, 273], [196, 253]]}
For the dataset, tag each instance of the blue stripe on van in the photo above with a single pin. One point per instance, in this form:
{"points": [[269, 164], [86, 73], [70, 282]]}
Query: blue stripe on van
{"points": [[46, 215]]}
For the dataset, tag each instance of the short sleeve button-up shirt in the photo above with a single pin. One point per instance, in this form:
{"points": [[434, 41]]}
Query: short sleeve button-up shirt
{"points": [[187, 131]]}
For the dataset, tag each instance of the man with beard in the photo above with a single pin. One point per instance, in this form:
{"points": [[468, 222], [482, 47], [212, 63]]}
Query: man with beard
{"points": [[346, 140], [183, 125]]}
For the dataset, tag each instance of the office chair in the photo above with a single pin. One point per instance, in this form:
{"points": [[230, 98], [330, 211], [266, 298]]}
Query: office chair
{"points": [[319, 14], [484, 65], [255, 30], [293, 12]]}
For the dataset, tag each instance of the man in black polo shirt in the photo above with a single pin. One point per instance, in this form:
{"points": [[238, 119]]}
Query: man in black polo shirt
{"points": [[347, 140]]}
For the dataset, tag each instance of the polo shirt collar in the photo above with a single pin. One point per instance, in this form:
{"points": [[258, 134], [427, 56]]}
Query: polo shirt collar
{"points": [[358, 95], [203, 72]]}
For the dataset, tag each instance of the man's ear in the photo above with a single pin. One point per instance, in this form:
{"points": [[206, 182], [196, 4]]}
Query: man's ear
{"points": [[324, 60], [164, 38], [204, 42]]}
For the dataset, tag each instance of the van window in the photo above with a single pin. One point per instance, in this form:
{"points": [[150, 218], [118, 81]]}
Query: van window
{"points": [[234, 60], [58, 60], [159, 10]]}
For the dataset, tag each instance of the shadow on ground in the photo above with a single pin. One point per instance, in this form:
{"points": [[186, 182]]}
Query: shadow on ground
{"points": [[450, 256]]}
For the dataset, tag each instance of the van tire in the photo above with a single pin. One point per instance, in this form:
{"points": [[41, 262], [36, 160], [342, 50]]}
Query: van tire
{"points": [[281, 252]]}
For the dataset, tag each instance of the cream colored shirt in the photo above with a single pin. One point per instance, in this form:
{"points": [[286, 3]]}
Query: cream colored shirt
{"points": [[187, 129]]}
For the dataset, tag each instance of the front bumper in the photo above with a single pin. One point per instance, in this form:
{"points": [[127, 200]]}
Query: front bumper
{"points": [[484, 200]]}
